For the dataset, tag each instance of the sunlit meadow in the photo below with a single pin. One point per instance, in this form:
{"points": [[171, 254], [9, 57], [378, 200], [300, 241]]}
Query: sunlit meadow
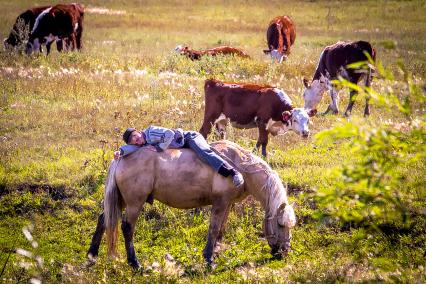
{"points": [[62, 116]]}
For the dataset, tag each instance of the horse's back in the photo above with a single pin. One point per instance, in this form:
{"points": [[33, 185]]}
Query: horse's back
{"points": [[176, 177]]}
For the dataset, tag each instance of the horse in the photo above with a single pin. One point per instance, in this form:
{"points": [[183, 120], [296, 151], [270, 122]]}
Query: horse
{"points": [[178, 178]]}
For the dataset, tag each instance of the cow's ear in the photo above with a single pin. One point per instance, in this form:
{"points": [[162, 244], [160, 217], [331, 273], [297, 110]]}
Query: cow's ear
{"points": [[306, 83], [312, 112], [286, 116]]}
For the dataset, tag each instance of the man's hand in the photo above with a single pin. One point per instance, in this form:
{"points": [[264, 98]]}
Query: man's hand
{"points": [[151, 148], [116, 155]]}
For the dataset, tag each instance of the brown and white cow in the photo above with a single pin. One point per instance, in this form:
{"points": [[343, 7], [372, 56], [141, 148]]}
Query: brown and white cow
{"points": [[280, 35], [250, 106], [332, 64], [59, 22], [197, 54], [24, 21]]}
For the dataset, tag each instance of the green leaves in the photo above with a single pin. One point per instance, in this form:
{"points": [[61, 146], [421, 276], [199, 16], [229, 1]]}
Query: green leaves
{"points": [[370, 190]]}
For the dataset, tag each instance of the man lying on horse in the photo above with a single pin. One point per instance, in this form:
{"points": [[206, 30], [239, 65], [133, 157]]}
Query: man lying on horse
{"points": [[178, 178], [163, 138]]}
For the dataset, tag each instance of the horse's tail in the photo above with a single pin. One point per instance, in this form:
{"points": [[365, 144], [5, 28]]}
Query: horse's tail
{"points": [[112, 208]]}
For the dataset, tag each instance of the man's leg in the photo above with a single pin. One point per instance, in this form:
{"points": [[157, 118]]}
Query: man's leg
{"points": [[199, 145]]}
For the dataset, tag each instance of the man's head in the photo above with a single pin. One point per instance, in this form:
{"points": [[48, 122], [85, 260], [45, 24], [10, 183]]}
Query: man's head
{"points": [[133, 137]]}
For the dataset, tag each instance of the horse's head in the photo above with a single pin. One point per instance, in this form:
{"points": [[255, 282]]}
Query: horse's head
{"points": [[278, 230]]}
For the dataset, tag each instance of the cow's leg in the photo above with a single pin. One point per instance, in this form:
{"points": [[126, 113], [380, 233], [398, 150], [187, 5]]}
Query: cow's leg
{"points": [[263, 138], [351, 103], [48, 46], [73, 41], [333, 106], [216, 220], [59, 45], [78, 37], [367, 106], [221, 130], [209, 120], [334, 101], [97, 238], [367, 98], [128, 227]]}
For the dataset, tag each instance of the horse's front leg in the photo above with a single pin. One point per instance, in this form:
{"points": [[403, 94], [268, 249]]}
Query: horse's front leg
{"points": [[97, 238], [128, 227], [216, 221]]}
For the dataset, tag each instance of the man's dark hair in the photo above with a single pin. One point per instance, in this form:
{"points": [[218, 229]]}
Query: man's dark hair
{"points": [[127, 134]]}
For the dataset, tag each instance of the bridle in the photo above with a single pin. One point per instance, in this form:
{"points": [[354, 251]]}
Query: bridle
{"points": [[270, 233]]}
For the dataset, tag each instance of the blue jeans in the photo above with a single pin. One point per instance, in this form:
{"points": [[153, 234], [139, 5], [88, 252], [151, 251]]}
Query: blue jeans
{"points": [[196, 142]]}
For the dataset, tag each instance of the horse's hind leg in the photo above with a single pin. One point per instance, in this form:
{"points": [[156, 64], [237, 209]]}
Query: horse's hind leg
{"points": [[222, 226], [128, 226], [216, 220], [97, 237], [222, 229]]}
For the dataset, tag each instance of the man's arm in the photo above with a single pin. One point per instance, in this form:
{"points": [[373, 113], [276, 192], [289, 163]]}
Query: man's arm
{"points": [[160, 137], [168, 138]]}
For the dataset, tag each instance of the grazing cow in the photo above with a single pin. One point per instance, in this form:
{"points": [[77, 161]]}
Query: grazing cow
{"points": [[60, 22], [196, 54], [23, 21], [280, 35], [332, 64], [249, 106]]}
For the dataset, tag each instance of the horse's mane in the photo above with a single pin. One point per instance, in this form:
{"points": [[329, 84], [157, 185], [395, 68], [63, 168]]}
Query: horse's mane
{"points": [[246, 162], [243, 160]]}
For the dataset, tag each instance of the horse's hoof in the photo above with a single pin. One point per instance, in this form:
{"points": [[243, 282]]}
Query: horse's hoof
{"points": [[136, 266], [210, 265]]}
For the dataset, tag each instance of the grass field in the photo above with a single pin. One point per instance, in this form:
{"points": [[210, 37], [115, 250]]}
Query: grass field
{"points": [[62, 116]]}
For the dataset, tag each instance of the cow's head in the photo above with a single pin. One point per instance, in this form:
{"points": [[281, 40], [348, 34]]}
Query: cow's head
{"points": [[313, 92], [298, 120], [275, 54], [181, 49], [11, 41]]}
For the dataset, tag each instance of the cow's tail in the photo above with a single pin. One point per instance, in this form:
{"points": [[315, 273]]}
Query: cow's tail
{"points": [[113, 205], [80, 8], [370, 68]]}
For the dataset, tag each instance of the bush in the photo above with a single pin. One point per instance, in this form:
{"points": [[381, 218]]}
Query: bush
{"points": [[375, 188]]}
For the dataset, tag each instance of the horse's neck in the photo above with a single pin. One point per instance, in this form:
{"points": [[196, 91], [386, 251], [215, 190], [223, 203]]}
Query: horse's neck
{"points": [[270, 196]]}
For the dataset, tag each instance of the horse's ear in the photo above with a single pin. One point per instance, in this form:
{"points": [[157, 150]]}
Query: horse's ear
{"points": [[286, 115], [306, 83], [288, 218], [282, 207]]}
